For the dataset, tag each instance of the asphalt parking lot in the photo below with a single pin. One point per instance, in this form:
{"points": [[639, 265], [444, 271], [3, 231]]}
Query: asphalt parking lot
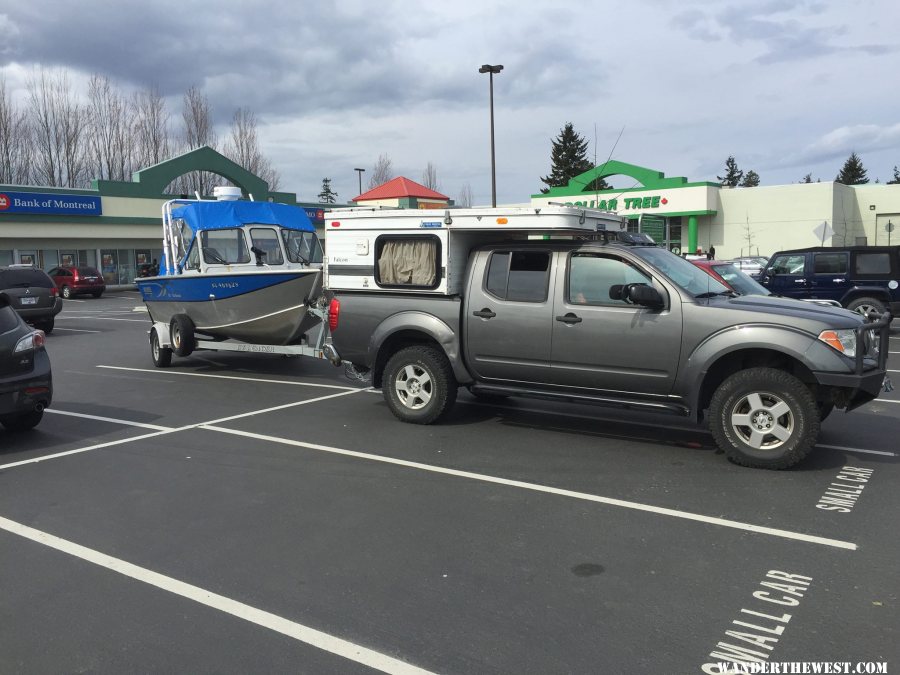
{"points": [[238, 513]]}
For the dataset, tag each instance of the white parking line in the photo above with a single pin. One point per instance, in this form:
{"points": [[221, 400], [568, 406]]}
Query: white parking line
{"points": [[98, 318], [722, 522], [857, 450], [169, 430], [259, 617], [231, 377], [109, 419], [77, 330]]}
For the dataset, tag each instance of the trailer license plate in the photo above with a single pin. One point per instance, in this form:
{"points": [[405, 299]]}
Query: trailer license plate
{"points": [[29, 301]]}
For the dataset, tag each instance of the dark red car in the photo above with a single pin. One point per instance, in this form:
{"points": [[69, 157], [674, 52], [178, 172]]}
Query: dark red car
{"points": [[728, 273], [73, 281]]}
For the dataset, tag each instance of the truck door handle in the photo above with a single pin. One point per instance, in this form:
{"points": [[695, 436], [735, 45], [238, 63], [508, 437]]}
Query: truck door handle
{"points": [[799, 281], [485, 313], [569, 318], [838, 281]]}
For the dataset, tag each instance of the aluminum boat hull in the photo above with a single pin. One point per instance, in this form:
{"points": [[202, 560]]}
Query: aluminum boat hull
{"points": [[269, 307]]}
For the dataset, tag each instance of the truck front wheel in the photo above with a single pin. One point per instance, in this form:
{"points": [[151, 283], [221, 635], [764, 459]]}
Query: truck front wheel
{"points": [[418, 385], [764, 418]]}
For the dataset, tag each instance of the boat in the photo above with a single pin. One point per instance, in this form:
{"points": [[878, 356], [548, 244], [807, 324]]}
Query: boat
{"points": [[236, 270]]}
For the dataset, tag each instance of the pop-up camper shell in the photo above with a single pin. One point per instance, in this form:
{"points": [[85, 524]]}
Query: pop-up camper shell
{"points": [[427, 250]]}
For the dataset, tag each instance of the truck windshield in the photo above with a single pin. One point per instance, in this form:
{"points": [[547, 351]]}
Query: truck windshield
{"points": [[681, 272]]}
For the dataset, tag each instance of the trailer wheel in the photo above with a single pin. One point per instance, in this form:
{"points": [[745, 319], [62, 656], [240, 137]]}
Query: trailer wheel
{"points": [[419, 385], [764, 418], [162, 356], [182, 334]]}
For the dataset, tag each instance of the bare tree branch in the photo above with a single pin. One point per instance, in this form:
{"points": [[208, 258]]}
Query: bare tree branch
{"points": [[430, 179], [58, 122], [382, 172], [243, 147], [109, 139], [198, 131], [465, 196], [15, 141], [151, 128]]}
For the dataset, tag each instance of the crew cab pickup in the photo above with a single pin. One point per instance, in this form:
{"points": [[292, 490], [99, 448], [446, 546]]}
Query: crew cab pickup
{"points": [[424, 302]]}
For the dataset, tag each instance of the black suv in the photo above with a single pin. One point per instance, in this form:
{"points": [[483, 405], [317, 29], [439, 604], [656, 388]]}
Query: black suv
{"points": [[32, 293], [26, 385], [862, 278]]}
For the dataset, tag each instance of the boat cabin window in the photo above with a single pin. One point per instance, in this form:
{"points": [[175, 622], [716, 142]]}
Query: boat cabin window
{"points": [[302, 247], [265, 239], [224, 247], [193, 257]]}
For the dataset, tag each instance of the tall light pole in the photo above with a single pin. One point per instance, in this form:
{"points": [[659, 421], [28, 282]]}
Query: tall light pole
{"points": [[359, 172], [492, 70]]}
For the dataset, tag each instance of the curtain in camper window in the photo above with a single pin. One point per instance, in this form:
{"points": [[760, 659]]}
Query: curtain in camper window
{"points": [[408, 262]]}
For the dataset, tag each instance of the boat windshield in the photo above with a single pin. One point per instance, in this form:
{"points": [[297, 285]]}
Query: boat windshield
{"points": [[224, 247], [266, 240], [302, 247]]}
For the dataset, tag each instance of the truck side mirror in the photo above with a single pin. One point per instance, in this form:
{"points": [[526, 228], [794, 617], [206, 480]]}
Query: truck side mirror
{"points": [[638, 294], [644, 295]]}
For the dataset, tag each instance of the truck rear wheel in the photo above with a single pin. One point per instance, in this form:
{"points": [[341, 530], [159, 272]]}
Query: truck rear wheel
{"points": [[419, 385], [764, 418]]}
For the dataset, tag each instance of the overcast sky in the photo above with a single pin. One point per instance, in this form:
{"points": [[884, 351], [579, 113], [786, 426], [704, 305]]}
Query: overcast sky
{"points": [[786, 87]]}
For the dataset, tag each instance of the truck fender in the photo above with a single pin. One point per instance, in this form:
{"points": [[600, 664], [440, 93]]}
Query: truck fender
{"points": [[790, 342], [425, 325]]}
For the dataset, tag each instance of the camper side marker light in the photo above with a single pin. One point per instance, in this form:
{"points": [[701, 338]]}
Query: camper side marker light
{"points": [[502, 221]]}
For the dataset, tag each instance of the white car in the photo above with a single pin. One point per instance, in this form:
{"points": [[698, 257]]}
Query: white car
{"points": [[752, 265]]}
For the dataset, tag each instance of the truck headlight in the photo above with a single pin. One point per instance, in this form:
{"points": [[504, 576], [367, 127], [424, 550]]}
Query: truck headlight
{"points": [[842, 340]]}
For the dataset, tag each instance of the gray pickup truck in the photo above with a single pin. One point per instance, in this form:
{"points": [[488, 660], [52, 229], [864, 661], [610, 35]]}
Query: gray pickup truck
{"points": [[617, 322]]}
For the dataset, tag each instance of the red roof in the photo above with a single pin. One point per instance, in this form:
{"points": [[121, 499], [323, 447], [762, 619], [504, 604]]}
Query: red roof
{"points": [[400, 187]]}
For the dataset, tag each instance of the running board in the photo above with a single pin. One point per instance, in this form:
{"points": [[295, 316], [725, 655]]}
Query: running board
{"points": [[664, 408]]}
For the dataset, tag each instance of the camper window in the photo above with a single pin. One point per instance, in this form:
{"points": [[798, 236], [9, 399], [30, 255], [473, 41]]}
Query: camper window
{"points": [[407, 261]]}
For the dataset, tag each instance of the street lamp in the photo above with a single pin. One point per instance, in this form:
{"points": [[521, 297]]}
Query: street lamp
{"points": [[359, 172], [492, 70]]}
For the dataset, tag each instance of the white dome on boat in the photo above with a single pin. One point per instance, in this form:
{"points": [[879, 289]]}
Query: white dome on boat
{"points": [[227, 193]]}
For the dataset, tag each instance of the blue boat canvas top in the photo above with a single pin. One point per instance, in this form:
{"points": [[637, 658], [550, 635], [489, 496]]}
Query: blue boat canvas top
{"points": [[220, 215]]}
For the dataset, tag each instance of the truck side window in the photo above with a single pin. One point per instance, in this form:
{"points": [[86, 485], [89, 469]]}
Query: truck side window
{"points": [[407, 261], [830, 263], [872, 263], [592, 276], [788, 264], [519, 276]]}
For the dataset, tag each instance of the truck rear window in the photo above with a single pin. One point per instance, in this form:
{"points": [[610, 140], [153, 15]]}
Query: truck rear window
{"points": [[520, 276]]}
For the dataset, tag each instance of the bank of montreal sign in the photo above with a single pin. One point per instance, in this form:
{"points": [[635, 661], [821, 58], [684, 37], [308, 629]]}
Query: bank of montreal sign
{"points": [[49, 204], [680, 200]]}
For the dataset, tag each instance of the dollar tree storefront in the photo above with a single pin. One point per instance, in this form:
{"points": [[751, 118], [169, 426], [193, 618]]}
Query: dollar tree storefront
{"points": [[116, 225], [668, 209], [686, 215]]}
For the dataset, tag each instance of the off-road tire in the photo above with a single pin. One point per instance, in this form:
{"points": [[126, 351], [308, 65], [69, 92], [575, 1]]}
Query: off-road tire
{"points": [[22, 421], [66, 292], [418, 385], [865, 305], [181, 333], [162, 356], [764, 418]]}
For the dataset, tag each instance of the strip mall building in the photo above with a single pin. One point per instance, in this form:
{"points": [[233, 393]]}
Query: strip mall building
{"points": [[115, 226], [738, 221]]}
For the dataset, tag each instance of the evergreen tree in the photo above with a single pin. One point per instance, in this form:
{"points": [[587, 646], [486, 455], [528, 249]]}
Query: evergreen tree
{"points": [[568, 158], [733, 175], [807, 178], [853, 172], [327, 195], [896, 179], [751, 179]]}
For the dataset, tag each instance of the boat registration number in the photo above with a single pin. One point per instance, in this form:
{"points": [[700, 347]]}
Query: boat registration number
{"points": [[29, 301], [257, 348]]}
